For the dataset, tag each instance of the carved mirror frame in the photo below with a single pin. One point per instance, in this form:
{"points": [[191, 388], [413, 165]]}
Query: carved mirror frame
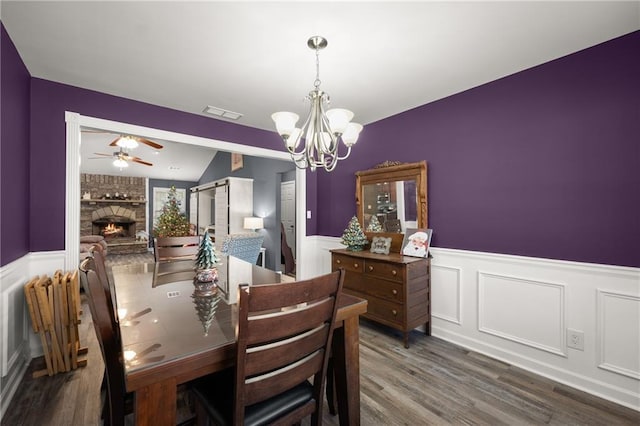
{"points": [[393, 172]]}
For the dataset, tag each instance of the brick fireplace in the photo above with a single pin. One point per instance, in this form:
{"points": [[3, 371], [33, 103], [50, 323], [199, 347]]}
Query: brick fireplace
{"points": [[114, 207]]}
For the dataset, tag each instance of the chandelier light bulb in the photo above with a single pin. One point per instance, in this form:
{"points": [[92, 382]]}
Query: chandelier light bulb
{"points": [[351, 133], [285, 122], [339, 120]]}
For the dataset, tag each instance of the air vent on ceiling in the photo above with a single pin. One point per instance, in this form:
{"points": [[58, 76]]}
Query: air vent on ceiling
{"points": [[220, 112]]}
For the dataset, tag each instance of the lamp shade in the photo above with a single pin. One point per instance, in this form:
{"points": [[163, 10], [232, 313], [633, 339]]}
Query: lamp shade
{"points": [[253, 223], [285, 122]]}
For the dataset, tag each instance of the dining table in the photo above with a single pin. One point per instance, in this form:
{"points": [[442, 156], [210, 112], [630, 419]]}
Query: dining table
{"points": [[174, 330]]}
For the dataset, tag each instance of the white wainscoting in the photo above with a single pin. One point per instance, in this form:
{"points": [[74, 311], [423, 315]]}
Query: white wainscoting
{"points": [[18, 342], [510, 307], [471, 292], [446, 303], [618, 331], [518, 309]]}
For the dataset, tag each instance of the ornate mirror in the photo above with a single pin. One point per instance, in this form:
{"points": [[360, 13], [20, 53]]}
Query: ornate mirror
{"points": [[394, 195]]}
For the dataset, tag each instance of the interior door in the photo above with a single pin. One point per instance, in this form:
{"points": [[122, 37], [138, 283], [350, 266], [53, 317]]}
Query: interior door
{"points": [[288, 212]]}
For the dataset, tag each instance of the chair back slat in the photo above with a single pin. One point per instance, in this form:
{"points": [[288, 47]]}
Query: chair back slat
{"points": [[259, 388], [272, 357], [280, 325], [269, 298], [283, 337], [175, 248]]}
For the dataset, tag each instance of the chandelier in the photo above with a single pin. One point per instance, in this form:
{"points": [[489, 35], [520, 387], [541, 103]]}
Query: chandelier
{"points": [[316, 143]]}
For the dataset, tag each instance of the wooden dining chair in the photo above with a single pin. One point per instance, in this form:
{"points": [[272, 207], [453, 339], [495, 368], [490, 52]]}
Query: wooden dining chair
{"points": [[175, 248], [100, 266], [105, 325], [283, 338]]}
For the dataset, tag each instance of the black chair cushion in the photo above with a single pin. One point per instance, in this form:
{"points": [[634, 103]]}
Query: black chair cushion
{"points": [[215, 393]]}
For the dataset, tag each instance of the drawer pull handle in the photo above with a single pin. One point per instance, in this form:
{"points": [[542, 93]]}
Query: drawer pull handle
{"points": [[394, 291], [338, 261], [394, 312], [370, 268], [355, 265], [394, 272]]}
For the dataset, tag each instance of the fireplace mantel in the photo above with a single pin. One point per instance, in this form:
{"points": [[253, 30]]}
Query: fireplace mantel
{"points": [[96, 201]]}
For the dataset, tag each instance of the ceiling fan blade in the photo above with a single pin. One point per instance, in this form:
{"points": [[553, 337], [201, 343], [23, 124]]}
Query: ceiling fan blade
{"points": [[104, 155], [115, 141], [138, 160], [152, 144]]}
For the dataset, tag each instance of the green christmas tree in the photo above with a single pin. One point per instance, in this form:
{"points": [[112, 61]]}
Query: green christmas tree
{"points": [[207, 257], [353, 237], [374, 225], [171, 223]]}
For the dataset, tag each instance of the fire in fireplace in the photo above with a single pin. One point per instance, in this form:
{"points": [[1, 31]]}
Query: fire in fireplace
{"points": [[114, 227]]}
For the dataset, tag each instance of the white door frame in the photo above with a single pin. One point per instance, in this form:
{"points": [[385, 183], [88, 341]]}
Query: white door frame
{"points": [[75, 122]]}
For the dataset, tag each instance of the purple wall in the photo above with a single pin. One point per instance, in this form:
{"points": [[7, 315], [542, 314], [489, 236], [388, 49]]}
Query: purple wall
{"points": [[49, 101], [543, 163], [14, 152]]}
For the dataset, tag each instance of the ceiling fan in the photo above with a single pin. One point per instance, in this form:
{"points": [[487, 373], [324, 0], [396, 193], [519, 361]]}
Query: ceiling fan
{"points": [[131, 142], [121, 158]]}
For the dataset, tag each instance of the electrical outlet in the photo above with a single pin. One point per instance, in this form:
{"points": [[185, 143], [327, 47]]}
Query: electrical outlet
{"points": [[575, 339]]}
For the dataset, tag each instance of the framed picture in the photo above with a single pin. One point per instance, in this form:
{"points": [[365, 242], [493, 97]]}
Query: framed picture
{"points": [[416, 242], [380, 245], [236, 161], [160, 196]]}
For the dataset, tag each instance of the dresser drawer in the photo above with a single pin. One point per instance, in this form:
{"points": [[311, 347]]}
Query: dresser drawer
{"points": [[385, 311], [388, 271], [348, 263], [384, 289]]}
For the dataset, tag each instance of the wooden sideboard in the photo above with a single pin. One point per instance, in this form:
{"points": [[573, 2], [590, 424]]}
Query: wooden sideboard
{"points": [[397, 287]]}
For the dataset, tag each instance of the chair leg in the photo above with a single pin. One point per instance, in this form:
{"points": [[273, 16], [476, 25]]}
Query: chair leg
{"points": [[331, 389]]}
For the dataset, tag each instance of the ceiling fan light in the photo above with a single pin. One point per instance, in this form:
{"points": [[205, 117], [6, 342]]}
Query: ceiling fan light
{"points": [[339, 118], [120, 163], [351, 134], [127, 142]]}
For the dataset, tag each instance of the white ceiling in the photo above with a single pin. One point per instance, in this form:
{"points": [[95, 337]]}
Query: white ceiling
{"points": [[383, 58], [174, 161]]}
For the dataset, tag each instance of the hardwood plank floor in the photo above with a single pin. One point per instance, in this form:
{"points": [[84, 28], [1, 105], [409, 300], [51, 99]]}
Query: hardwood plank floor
{"points": [[433, 382]]}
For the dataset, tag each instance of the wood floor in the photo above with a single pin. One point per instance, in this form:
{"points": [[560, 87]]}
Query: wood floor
{"points": [[433, 382]]}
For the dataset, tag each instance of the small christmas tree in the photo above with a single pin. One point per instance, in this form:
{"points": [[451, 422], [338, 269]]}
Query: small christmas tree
{"points": [[353, 237], [171, 223], [374, 225], [207, 258]]}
